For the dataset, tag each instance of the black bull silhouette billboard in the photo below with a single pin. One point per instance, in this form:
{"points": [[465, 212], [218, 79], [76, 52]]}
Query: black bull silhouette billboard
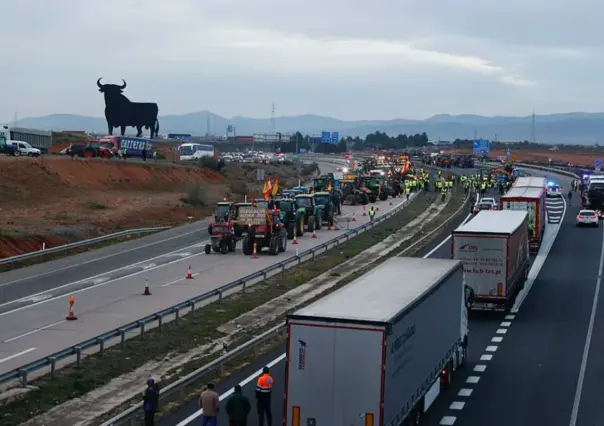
{"points": [[122, 113]]}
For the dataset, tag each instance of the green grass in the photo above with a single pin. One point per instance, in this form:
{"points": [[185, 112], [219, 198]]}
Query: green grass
{"points": [[195, 329]]}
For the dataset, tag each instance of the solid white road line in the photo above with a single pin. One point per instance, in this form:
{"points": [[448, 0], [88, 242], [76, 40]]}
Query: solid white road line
{"points": [[34, 331], [590, 330], [443, 242], [8, 358]]}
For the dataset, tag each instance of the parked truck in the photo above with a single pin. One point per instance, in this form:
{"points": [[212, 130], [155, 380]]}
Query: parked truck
{"points": [[39, 139], [377, 351], [493, 248], [532, 201]]}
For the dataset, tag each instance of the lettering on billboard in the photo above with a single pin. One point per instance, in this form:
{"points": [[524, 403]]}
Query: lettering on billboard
{"points": [[301, 354]]}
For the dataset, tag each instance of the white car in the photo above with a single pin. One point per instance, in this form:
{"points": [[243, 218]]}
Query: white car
{"points": [[26, 149], [588, 218], [489, 200]]}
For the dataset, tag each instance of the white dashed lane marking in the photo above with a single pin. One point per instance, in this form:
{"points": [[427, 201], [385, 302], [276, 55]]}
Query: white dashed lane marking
{"points": [[474, 379], [555, 209]]}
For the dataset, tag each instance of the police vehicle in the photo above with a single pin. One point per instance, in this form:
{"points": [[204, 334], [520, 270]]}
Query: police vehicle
{"points": [[553, 190]]}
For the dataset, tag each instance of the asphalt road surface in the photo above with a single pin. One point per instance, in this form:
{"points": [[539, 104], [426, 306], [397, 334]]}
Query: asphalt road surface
{"points": [[526, 366], [34, 325]]}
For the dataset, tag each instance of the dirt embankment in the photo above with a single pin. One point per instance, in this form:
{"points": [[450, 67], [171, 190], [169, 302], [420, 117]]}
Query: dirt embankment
{"points": [[53, 201], [583, 159]]}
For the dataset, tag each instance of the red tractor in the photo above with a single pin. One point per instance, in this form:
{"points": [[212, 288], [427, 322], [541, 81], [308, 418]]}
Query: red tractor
{"points": [[221, 230]]}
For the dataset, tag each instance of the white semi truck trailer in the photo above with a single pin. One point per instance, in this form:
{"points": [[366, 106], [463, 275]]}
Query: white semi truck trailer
{"points": [[377, 351]]}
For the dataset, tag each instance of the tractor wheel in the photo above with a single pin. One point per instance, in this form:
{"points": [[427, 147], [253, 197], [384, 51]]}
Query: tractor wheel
{"points": [[311, 224], [208, 249], [273, 245], [248, 245], [282, 243], [364, 199], [224, 247], [300, 230], [290, 230], [383, 196], [318, 222], [352, 200], [232, 244]]}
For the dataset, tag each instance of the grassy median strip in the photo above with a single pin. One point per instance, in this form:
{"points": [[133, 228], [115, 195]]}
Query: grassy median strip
{"points": [[194, 330]]}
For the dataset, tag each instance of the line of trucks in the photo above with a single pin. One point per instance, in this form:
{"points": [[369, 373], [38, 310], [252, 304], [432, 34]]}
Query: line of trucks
{"points": [[379, 351]]}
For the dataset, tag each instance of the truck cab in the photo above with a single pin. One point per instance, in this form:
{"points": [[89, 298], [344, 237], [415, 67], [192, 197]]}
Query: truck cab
{"points": [[5, 147]]}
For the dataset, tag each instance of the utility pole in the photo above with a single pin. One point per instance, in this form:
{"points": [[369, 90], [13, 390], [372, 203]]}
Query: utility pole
{"points": [[533, 136], [273, 125], [297, 142]]}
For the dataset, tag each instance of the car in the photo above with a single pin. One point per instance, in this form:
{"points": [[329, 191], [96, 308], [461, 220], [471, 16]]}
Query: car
{"points": [[479, 206], [489, 200], [588, 218], [553, 190]]}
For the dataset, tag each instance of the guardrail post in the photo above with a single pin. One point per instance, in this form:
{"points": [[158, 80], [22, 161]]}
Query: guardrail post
{"points": [[101, 343], [219, 293], [78, 351], [243, 285], [23, 377], [160, 322], [122, 337], [264, 275], [142, 327], [53, 366], [283, 267], [176, 316], [312, 252], [192, 305]]}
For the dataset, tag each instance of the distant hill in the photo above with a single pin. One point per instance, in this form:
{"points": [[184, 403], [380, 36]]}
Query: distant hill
{"points": [[569, 128]]}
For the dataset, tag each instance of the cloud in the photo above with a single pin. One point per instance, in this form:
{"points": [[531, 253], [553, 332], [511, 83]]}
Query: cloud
{"points": [[234, 57]]}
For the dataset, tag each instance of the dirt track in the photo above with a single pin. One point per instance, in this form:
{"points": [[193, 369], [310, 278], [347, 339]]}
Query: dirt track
{"points": [[56, 200]]}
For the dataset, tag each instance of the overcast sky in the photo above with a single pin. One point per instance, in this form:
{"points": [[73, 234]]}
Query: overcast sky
{"points": [[349, 59]]}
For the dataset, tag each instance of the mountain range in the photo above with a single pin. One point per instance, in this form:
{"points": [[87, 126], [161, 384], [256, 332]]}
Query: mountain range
{"points": [[566, 128]]}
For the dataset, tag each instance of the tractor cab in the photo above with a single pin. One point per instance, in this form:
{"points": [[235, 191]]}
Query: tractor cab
{"points": [[223, 212]]}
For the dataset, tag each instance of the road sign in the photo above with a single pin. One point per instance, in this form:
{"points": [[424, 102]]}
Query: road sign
{"points": [[325, 137], [335, 137], [302, 150], [175, 148], [513, 159], [482, 146], [598, 164], [549, 159]]}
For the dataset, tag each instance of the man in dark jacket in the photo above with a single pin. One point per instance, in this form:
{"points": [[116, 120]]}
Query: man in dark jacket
{"points": [[238, 407], [150, 401]]}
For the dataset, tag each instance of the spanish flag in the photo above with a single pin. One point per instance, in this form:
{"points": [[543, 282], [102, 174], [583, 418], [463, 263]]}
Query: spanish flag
{"points": [[268, 187], [275, 187], [329, 188]]}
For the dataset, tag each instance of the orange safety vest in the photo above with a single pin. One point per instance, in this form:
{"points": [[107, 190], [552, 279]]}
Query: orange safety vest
{"points": [[264, 384]]}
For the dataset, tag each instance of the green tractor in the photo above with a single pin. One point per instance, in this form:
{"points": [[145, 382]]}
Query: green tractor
{"points": [[323, 182], [312, 212], [373, 185], [291, 216], [324, 199], [264, 230], [352, 194]]}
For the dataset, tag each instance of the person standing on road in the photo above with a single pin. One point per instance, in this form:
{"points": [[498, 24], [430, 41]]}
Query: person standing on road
{"points": [[238, 407], [209, 402], [570, 197], [264, 389], [371, 213], [150, 401]]}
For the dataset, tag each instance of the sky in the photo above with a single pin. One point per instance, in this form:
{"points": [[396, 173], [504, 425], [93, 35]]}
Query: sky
{"points": [[347, 59]]}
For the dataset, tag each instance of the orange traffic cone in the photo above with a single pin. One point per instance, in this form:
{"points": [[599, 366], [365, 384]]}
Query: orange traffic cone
{"points": [[147, 291], [189, 274], [329, 225], [295, 240], [314, 234], [364, 211], [71, 316], [354, 219], [255, 251], [377, 208], [390, 200]]}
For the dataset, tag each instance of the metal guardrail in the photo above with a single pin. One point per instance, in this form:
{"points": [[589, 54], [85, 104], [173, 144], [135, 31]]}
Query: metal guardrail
{"points": [[79, 244], [174, 311], [555, 170], [129, 416]]}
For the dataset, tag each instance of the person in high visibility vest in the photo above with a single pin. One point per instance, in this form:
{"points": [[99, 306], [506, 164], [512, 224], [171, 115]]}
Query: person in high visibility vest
{"points": [[264, 389], [371, 213]]}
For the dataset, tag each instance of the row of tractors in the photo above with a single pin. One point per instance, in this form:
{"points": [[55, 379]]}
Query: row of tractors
{"points": [[261, 224]]}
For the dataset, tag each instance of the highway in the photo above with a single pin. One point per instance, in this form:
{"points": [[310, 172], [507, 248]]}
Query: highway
{"points": [[110, 296], [525, 366]]}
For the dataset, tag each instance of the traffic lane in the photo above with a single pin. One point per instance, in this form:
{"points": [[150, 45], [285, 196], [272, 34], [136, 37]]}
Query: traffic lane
{"points": [[534, 369], [590, 409], [49, 275], [441, 248], [110, 304]]}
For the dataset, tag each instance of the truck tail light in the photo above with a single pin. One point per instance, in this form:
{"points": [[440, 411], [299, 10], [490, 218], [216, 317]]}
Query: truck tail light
{"points": [[369, 419], [295, 416], [499, 289]]}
